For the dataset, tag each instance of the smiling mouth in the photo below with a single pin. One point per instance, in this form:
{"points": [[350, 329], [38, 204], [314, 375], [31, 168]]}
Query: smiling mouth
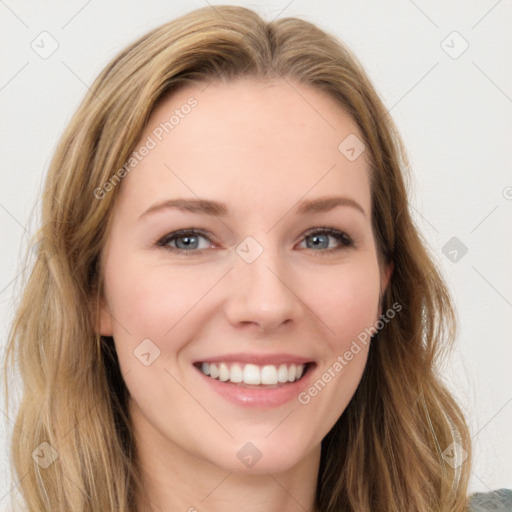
{"points": [[252, 375]]}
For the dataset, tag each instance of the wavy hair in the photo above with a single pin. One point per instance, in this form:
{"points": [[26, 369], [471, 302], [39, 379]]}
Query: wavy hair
{"points": [[385, 453]]}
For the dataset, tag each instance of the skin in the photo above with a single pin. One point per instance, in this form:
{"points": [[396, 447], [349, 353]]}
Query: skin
{"points": [[260, 147]]}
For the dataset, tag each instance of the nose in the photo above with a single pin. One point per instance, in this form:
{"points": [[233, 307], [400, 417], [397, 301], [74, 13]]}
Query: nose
{"points": [[263, 294]]}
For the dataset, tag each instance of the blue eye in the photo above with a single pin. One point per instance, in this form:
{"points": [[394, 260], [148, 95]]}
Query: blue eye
{"points": [[186, 241], [320, 238]]}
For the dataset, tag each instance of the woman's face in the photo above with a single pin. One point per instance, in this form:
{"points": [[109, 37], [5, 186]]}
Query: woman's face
{"points": [[275, 273]]}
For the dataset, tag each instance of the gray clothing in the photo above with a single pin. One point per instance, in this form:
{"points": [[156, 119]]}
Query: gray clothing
{"points": [[495, 501]]}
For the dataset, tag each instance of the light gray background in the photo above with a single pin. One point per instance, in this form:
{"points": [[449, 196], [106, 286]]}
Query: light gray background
{"points": [[454, 115]]}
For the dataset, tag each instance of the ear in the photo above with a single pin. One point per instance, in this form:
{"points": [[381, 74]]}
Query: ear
{"points": [[105, 319], [386, 273]]}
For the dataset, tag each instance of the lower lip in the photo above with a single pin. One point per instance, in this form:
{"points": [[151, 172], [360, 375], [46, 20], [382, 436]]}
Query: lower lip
{"points": [[259, 397]]}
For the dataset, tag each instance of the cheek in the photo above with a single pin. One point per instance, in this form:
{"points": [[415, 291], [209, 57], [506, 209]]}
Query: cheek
{"points": [[154, 303], [348, 304]]}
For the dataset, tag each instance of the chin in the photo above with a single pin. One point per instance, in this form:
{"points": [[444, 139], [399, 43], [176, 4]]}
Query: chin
{"points": [[262, 455]]}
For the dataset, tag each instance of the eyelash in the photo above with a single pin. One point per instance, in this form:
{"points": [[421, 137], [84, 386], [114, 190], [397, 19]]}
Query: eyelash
{"points": [[345, 240]]}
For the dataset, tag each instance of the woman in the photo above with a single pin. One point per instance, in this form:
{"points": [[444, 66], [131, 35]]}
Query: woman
{"points": [[258, 370]]}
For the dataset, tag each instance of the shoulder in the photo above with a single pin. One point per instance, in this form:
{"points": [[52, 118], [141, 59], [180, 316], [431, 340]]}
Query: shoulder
{"points": [[494, 501]]}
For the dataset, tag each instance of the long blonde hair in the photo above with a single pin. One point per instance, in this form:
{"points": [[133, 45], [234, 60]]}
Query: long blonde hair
{"points": [[385, 453]]}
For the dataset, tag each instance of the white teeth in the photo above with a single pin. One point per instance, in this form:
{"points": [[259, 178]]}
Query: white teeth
{"points": [[214, 371], [269, 374], [252, 374], [292, 372], [223, 372], [282, 373], [236, 374]]}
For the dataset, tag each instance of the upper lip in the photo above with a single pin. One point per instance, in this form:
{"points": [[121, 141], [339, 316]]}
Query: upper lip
{"points": [[259, 359]]}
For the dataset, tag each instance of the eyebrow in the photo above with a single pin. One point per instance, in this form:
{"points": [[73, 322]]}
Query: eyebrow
{"points": [[216, 208]]}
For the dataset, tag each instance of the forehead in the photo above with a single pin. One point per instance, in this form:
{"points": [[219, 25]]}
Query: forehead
{"points": [[248, 142]]}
